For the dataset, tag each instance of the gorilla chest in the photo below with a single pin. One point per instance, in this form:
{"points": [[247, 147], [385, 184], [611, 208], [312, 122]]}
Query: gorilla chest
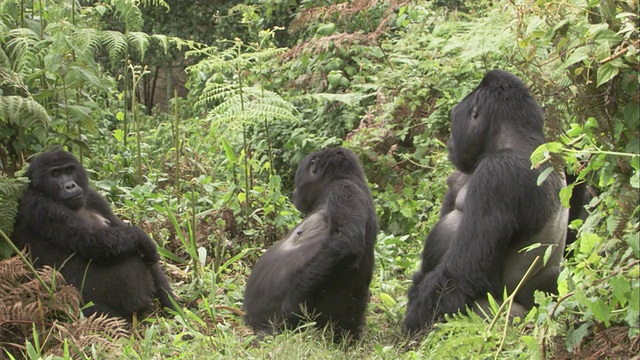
{"points": [[312, 232]]}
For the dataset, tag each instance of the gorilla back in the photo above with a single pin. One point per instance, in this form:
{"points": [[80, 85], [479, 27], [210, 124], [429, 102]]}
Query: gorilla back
{"points": [[322, 269], [69, 226], [492, 210]]}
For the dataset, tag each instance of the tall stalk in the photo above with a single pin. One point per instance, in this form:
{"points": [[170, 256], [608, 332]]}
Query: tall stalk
{"points": [[176, 137], [125, 118], [135, 79], [244, 135]]}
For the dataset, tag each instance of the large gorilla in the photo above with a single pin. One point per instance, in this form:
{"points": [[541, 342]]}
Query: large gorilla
{"points": [[69, 226], [493, 209], [323, 267]]}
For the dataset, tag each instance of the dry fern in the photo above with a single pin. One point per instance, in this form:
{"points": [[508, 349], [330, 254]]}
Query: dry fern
{"points": [[24, 303], [345, 11]]}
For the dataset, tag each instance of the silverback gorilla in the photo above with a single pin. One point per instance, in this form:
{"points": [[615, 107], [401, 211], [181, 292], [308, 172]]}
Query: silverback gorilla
{"points": [[69, 226], [492, 210], [323, 267]]}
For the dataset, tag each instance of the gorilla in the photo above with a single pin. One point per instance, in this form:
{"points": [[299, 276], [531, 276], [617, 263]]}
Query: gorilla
{"points": [[67, 225], [322, 269], [493, 209]]}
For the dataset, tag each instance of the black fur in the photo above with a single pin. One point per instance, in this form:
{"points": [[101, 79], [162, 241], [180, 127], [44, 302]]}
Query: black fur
{"points": [[69, 226], [324, 266], [492, 210]]}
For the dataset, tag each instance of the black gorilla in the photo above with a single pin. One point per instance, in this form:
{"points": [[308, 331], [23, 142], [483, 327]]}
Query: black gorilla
{"points": [[69, 226], [492, 210], [323, 267]]}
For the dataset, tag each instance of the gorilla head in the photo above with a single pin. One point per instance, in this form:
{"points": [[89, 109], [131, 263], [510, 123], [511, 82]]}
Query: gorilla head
{"points": [[316, 171], [496, 115]]}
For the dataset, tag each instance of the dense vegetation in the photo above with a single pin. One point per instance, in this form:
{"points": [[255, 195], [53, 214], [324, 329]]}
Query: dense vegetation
{"points": [[192, 118]]}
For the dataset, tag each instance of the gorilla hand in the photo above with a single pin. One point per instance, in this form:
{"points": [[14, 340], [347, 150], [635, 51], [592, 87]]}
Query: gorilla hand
{"points": [[147, 248]]}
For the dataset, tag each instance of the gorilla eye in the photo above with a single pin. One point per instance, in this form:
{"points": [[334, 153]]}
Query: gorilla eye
{"points": [[55, 173], [70, 170]]}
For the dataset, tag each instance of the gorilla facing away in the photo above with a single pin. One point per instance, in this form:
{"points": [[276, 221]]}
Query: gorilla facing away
{"points": [[492, 210], [69, 226], [323, 267]]}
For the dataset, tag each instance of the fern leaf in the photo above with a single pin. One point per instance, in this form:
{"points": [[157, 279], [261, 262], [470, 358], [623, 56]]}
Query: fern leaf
{"points": [[87, 40], [115, 43], [10, 193], [139, 41], [25, 114]]}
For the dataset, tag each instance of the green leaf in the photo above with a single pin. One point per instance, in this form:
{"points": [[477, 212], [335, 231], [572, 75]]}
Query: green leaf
{"points": [[547, 254], [565, 195], [606, 72], [334, 78], [601, 311], [579, 54], [621, 289], [118, 134], [575, 336], [386, 300], [543, 150], [544, 175], [588, 242], [229, 151], [326, 29]]}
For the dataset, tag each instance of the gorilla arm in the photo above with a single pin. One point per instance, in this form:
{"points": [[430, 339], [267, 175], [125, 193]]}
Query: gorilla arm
{"points": [[347, 211], [53, 222]]}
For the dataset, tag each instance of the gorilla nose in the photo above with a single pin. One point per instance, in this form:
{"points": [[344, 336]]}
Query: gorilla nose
{"points": [[70, 186]]}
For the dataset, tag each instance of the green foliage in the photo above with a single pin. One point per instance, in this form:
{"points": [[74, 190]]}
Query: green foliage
{"points": [[597, 50], [10, 194], [23, 125], [211, 181]]}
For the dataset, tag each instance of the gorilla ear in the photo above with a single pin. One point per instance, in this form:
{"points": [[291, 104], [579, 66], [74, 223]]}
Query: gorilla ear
{"points": [[475, 112], [313, 166]]}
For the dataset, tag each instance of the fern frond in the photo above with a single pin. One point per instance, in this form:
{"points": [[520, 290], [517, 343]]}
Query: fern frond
{"points": [[87, 40], [23, 303], [24, 113], [115, 43], [138, 40], [257, 105], [215, 93], [162, 40], [22, 48], [12, 79], [263, 55], [101, 332], [10, 193], [128, 11]]}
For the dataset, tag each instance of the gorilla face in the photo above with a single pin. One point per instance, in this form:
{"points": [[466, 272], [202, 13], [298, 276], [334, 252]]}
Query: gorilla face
{"points": [[308, 180], [61, 177], [470, 129]]}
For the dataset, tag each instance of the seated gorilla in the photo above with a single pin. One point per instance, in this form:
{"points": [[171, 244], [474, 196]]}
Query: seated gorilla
{"points": [[492, 210], [323, 267], [69, 226]]}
